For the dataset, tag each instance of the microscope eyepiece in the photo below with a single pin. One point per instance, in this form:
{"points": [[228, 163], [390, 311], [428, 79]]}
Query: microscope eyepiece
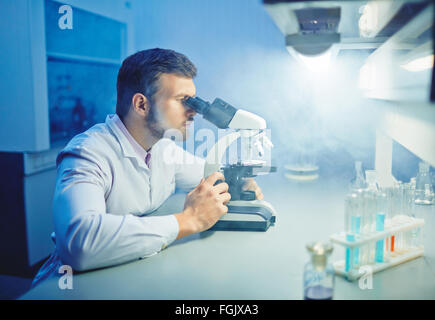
{"points": [[219, 112], [197, 104]]}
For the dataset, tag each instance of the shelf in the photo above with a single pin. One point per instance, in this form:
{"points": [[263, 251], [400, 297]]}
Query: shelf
{"points": [[77, 58]]}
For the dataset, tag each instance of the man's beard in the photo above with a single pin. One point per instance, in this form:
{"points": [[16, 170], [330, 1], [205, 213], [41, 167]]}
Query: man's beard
{"points": [[153, 124]]}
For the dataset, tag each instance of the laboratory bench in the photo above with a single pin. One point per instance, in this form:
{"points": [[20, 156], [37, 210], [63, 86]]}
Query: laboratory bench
{"points": [[252, 265]]}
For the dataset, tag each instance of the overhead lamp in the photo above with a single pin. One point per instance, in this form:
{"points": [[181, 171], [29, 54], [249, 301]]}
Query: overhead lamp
{"points": [[314, 63], [317, 30]]}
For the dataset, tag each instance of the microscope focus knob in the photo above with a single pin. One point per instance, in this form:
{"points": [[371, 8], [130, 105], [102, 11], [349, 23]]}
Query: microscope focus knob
{"points": [[247, 195]]}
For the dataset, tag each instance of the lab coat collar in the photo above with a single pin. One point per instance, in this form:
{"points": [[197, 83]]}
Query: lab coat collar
{"points": [[127, 149]]}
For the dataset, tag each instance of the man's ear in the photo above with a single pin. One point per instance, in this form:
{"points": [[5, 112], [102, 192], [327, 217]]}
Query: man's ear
{"points": [[140, 104]]}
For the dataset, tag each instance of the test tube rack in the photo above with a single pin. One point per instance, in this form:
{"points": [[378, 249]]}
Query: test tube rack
{"points": [[354, 270]]}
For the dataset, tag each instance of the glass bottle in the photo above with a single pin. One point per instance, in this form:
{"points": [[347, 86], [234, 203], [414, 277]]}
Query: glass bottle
{"points": [[319, 275], [423, 187]]}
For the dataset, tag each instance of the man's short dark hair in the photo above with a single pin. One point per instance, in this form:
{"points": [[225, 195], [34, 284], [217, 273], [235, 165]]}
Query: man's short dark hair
{"points": [[140, 72]]}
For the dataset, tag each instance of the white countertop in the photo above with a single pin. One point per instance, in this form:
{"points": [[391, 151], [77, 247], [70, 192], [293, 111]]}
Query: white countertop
{"points": [[252, 265]]}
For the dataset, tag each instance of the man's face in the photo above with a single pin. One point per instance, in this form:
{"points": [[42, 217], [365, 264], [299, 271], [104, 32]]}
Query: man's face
{"points": [[169, 111]]}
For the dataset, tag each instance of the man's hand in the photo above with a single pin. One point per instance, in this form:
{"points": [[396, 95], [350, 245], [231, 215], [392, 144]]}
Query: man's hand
{"points": [[204, 206], [251, 185]]}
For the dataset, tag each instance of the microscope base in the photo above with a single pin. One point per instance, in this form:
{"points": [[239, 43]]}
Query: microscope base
{"points": [[256, 215]]}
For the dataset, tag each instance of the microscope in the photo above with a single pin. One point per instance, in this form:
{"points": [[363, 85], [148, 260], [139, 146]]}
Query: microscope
{"points": [[245, 212]]}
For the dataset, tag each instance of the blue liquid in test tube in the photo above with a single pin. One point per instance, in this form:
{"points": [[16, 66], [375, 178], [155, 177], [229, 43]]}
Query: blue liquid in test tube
{"points": [[349, 265], [356, 228], [379, 255]]}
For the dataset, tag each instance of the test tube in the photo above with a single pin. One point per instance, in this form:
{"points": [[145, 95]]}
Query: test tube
{"points": [[399, 243], [367, 212], [416, 238], [381, 209], [407, 199], [370, 200], [405, 215], [367, 254], [380, 220], [388, 220], [349, 261], [415, 234], [395, 212], [402, 238], [353, 220], [399, 198], [372, 256], [349, 211], [408, 241]]}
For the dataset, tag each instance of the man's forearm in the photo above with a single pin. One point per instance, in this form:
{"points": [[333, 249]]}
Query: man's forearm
{"points": [[102, 240]]}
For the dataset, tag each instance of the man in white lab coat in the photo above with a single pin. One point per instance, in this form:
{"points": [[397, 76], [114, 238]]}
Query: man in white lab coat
{"points": [[112, 175]]}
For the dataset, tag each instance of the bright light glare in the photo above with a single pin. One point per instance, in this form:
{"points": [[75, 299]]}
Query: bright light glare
{"points": [[367, 77], [419, 64], [319, 64]]}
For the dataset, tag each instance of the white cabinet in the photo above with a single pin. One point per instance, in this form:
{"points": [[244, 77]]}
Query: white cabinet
{"points": [[36, 57]]}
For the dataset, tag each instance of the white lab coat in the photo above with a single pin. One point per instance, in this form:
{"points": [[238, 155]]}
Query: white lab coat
{"points": [[104, 192]]}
